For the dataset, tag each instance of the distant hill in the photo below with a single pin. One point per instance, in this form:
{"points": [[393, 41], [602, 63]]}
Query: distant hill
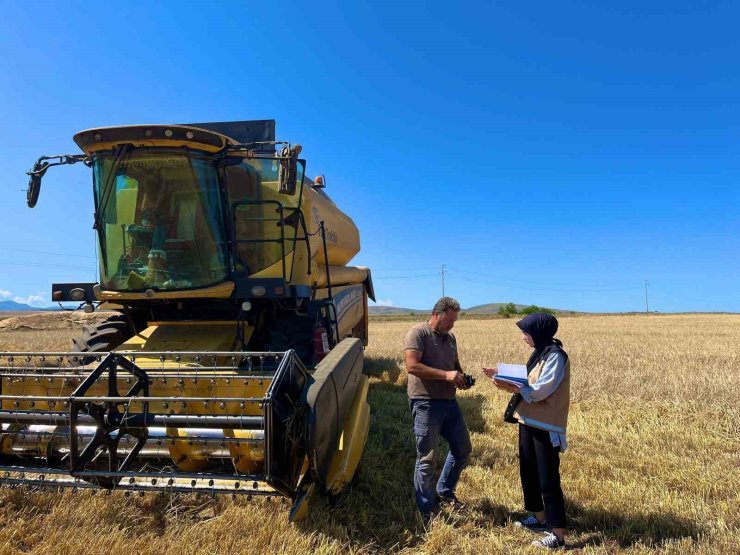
{"points": [[490, 308], [384, 310], [14, 306]]}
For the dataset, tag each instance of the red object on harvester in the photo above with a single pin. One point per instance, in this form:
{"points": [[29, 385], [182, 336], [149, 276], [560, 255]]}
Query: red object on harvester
{"points": [[320, 343]]}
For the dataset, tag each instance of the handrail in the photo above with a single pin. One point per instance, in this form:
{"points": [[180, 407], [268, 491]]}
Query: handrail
{"points": [[281, 209]]}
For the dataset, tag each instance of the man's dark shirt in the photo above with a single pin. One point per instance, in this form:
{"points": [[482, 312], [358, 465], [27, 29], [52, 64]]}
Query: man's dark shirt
{"points": [[438, 350]]}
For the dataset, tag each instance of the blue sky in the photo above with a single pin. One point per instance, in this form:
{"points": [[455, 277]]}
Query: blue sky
{"points": [[550, 153]]}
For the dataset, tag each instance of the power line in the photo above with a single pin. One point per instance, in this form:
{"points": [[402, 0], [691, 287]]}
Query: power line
{"points": [[559, 289], [444, 271], [404, 277], [47, 253], [382, 269], [40, 265], [543, 285], [520, 280]]}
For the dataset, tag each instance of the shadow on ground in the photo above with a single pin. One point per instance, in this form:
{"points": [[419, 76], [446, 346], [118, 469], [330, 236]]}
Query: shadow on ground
{"points": [[379, 508], [378, 511], [652, 528]]}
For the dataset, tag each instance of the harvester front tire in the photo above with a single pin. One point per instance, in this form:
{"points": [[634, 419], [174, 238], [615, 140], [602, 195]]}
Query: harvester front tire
{"points": [[103, 336]]}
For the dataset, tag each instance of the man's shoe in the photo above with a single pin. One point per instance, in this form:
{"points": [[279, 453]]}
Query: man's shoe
{"points": [[531, 523], [550, 541], [427, 517], [450, 501]]}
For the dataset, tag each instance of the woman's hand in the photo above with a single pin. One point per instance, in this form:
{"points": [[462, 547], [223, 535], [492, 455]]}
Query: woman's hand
{"points": [[505, 386], [489, 372]]}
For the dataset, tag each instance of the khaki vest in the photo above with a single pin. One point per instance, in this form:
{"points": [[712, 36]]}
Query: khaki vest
{"points": [[552, 412]]}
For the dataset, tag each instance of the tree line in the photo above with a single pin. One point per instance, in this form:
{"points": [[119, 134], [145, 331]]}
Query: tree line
{"points": [[510, 309]]}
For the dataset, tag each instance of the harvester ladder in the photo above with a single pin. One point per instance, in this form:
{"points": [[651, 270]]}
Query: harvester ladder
{"points": [[332, 309], [281, 222]]}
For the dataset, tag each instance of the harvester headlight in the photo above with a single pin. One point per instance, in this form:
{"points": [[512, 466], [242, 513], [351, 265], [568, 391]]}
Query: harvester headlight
{"points": [[57, 296], [258, 291], [190, 134], [168, 133], [77, 294], [246, 306]]}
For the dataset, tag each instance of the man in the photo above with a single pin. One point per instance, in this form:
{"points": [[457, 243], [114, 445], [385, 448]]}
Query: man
{"points": [[430, 355], [150, 232]]}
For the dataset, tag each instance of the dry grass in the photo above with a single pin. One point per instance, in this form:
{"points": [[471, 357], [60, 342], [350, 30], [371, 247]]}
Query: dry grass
{"points": [[653, 465]]}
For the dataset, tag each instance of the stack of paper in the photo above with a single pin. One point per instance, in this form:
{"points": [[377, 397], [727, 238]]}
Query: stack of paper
{"points": [[515, 374]]}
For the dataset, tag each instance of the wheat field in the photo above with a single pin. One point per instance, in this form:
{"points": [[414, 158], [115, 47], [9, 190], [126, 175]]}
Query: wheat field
{"points": [[653, 464]]}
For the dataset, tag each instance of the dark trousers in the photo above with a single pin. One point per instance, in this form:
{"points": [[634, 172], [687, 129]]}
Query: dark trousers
{"points": [[539, 467], [432, 419]]}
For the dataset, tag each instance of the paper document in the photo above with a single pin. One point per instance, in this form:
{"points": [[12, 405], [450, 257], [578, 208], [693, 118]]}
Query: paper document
{"points": [[511, 373]]}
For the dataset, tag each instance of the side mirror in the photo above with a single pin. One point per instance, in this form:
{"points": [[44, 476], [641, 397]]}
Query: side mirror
{"points": [[288, 171], [287, 175], [34, 188], [39, 169], [34, 182]]}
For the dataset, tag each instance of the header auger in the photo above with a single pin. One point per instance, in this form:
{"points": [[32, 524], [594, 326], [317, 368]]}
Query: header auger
{"points": [[230, 359]]}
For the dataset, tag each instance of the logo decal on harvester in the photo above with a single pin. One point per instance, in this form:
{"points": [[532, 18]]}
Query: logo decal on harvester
{"points": [[331, 236], [346, 299]]}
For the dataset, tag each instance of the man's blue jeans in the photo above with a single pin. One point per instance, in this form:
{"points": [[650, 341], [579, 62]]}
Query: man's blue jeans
{"points": [[433, 418]]}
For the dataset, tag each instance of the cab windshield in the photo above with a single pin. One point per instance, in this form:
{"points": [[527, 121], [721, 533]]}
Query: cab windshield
{"points": [[160, 220]]}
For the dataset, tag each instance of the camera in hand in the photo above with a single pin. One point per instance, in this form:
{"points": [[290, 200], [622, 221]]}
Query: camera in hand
{"points": [[469, 380]]}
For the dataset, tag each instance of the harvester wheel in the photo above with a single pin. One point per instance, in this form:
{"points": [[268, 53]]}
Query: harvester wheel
{"points": [[103, 336]]}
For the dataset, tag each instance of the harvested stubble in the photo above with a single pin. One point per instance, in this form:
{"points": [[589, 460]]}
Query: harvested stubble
{"points": [[653, 465]]}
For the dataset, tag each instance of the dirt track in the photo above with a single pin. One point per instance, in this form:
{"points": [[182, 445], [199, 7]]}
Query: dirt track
{"points": [[47, 320]]}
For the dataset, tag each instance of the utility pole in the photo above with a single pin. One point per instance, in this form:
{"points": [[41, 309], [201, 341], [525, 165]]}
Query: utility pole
{"points": [[443, 279], [647, 309]]}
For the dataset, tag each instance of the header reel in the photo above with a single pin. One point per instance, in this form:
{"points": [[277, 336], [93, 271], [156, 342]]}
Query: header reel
{"points": [[210, 422]]}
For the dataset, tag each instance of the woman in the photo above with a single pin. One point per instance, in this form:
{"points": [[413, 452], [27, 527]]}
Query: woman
{"points": [[541, 409]]}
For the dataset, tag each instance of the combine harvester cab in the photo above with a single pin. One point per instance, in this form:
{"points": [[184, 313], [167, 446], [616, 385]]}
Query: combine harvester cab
{"points": [[230, 358]]}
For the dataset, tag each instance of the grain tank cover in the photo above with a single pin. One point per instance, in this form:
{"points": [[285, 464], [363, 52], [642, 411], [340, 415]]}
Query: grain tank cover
{"points": [[244, 132]]}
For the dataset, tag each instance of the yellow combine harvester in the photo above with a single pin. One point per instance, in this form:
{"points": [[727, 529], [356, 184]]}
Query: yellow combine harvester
{"points": [[231, 359]]}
